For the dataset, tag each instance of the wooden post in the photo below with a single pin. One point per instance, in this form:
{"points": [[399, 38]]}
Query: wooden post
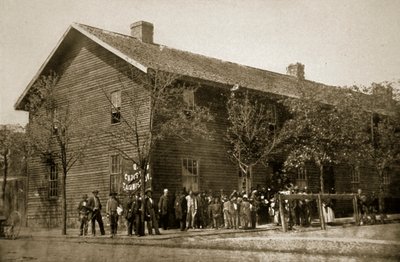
{"points": [[282, 214], [321, 215], [355, 208]]}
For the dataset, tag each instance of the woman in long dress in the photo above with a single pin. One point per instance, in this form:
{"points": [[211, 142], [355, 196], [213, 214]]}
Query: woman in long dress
{"points": [[327, 212]]}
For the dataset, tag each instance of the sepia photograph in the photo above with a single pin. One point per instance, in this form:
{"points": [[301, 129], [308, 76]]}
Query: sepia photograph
{"points": [[199, 130]]}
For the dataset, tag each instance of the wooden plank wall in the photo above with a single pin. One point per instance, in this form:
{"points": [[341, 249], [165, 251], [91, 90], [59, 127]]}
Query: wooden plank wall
{"points": [[87, 72]]}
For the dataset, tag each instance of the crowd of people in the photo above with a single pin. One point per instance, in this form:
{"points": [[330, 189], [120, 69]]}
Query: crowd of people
{"points": [[193, 210]]}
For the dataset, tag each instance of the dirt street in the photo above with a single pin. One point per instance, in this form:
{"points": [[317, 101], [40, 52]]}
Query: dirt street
{"points": [[367, 243]]}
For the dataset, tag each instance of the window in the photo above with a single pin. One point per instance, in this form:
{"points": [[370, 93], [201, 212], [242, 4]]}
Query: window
{"points": [[116, 107], [188, 98], [301, 177], [355, 175], [53, 181], [190, 174], [386, 177], [56, 123], [115, 174], [271, 113]]}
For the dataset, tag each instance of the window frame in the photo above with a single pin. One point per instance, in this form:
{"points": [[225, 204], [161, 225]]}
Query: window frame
{"points": [[189, 100], [272, 119], [115, 173], [386, 177], [301, 177], [53, 181], [188, 174], [355, 175], [116, 104]]}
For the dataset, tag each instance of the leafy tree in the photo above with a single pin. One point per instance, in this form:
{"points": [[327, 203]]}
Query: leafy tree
{"points": [[315, 130], [380, 146], [252, 133], [55, 132], [13, 153]]}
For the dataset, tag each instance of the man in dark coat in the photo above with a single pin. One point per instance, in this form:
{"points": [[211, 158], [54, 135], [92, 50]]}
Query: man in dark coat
{"points": [[181, 210], [95, 215], [139, 224], [130, 208], [150, 213], [163, 206]]}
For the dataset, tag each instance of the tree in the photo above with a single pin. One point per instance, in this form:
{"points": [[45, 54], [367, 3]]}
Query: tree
{"points": [[252, 132], [315, 130], [5, 149], [162, 112], [55, 132], [380, 126], [12, 154]]}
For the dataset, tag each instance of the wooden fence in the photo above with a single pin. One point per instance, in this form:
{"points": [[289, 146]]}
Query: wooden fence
{"points": [[319, 198]]}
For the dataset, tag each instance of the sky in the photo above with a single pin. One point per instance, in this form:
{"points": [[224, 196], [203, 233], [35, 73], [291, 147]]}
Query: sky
{"points": [[340, 42]]}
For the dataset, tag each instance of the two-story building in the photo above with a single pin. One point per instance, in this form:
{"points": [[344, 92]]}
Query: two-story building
{"points": [[91, 61]]}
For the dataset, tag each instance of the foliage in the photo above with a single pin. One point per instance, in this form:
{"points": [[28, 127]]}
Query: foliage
{"points": [[13, 153], [317, 132], [251, 134]]}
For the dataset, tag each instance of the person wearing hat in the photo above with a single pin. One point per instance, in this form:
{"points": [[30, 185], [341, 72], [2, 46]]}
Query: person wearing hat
{"points": [[181, 210], [94, 206], [163, 206], [191, 201], [233, 212], [245, 214], [112, 214], [254, 206], [130, 208], [83, 211], [150, 213]]}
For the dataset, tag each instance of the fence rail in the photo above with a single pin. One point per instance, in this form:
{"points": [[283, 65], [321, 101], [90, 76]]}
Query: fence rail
{"points": [[319, 198]]}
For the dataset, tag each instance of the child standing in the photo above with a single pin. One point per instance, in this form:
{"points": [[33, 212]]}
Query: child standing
{"points": [[112, 214]]}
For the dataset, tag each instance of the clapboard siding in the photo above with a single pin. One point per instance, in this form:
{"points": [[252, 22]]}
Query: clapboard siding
{"points": [[87, 72]]}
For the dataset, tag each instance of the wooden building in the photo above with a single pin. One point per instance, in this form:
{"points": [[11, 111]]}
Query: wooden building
{"points": [[91, 61]]}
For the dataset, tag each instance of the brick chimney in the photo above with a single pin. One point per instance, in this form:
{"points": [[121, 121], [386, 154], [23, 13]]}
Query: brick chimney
{"points": [[296, 70], [143, 31]]}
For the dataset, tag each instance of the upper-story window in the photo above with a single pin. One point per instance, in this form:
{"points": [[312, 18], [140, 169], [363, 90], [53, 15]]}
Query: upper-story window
{"points": [[271, 113], [386, 176], [355, 175], [53, 181], [188, 98], [115, 107]]}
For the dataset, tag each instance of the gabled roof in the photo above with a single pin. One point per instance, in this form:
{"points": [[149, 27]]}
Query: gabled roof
{"points": [[144, 56]]}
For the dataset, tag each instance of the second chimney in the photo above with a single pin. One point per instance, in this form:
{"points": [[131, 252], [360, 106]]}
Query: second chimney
{"points": [[296, 70], [143, 31]]}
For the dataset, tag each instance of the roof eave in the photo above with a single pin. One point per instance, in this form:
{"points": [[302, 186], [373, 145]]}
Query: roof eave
{"points": [[17, 104]]}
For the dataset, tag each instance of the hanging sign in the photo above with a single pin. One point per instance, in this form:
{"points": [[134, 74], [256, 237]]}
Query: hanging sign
{"points": [[131, 180]]}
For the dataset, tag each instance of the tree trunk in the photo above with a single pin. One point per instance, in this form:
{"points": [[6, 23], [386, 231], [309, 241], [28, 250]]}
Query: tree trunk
{"points": [[5, 173], [64, 203], [321, 177], [249, 179], [381, 192]]}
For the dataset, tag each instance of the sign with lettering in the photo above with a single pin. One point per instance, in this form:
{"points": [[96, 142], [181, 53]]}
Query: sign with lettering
{"points": [[131, 176]]}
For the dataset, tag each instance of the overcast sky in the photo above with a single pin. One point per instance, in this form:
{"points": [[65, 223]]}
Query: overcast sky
{"points": [[341, 42]]}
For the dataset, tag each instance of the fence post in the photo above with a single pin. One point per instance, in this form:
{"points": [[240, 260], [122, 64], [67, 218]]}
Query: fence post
{"points": [[282, 214], [355, 209], [321, 215]]}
